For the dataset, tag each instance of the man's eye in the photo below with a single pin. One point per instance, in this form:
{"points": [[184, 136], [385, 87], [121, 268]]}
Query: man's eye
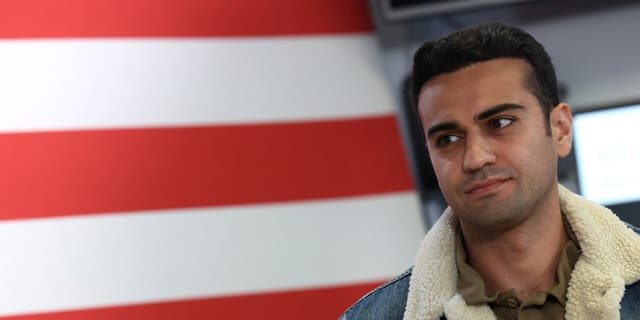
{"points": [[446, 140], [500, 123]]}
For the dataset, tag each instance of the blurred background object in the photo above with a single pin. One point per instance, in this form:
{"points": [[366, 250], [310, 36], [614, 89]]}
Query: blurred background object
{"points": [[197, 160]]}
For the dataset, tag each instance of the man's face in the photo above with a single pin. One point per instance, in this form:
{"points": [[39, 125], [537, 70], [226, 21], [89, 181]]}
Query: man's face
{"points": [[488, 143]]}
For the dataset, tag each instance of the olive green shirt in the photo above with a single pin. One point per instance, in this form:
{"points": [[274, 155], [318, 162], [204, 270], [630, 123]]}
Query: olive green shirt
{"points": [[506, 304]]}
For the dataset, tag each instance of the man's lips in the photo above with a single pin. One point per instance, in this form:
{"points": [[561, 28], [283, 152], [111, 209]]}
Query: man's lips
{"points": [[485, 186]]}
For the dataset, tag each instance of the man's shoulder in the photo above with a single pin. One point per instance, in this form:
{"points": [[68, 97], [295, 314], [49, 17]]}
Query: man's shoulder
{"points": [[385, 302], [630, 304], [634, 228]]}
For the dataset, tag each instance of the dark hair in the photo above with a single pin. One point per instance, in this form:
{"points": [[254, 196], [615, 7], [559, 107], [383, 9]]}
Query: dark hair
{"points": [[486, 42]]}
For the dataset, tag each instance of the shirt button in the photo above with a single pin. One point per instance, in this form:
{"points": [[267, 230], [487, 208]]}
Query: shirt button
{"points": [[512, 303]]}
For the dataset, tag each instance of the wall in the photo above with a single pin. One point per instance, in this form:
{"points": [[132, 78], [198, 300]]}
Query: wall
{"points": [[196, 159]]}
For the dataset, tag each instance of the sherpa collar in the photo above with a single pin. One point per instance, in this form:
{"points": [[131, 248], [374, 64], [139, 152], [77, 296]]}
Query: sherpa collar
{"points": [[610, 259]]}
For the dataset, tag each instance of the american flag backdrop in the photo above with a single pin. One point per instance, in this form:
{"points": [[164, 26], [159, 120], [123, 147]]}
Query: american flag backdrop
{"points": [[190, 159]]}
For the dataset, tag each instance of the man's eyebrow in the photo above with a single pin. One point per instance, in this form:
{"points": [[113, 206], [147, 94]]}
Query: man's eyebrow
{"points": [[441, 127], [445, 126], [497, 109]]}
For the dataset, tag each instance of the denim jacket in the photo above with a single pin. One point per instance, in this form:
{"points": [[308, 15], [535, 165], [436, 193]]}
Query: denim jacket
{"points": [[387, 302], [597, 230]]}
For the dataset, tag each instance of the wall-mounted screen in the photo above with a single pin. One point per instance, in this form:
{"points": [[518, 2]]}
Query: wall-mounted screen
{"points": [[607, 153]]}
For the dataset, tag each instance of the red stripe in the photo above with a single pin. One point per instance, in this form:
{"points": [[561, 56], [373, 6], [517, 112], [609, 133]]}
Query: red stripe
{"points": [[315, 304], [184, 18], [81, 172]]}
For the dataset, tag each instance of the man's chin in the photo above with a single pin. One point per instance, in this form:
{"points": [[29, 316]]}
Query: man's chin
{"points": [[495, 215]]}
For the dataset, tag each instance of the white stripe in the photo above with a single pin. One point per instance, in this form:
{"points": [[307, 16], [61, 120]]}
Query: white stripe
{"points": [[74, 84], [120, 259]]}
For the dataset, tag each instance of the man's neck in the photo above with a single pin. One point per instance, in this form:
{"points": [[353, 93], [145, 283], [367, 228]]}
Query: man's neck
{"points": [[524, 258]]}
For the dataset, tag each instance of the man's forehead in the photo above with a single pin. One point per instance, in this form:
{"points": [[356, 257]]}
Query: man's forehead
{"points": [[480, 85]]}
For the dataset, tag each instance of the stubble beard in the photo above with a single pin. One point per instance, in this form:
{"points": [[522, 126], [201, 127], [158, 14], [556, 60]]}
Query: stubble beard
{"points": [[496, 214]]}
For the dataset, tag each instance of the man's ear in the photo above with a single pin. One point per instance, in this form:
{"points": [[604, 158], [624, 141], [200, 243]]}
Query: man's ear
{"points": [[561, 122]]}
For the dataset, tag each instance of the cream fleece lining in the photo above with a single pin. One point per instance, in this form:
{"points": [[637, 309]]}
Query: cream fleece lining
{"points": [[610, 259]]}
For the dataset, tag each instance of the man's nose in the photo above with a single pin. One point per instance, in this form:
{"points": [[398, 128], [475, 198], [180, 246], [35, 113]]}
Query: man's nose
{"points": [[478, 153]]}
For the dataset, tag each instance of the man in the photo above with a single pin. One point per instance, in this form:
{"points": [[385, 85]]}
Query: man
{"points": [[513, 244]]}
